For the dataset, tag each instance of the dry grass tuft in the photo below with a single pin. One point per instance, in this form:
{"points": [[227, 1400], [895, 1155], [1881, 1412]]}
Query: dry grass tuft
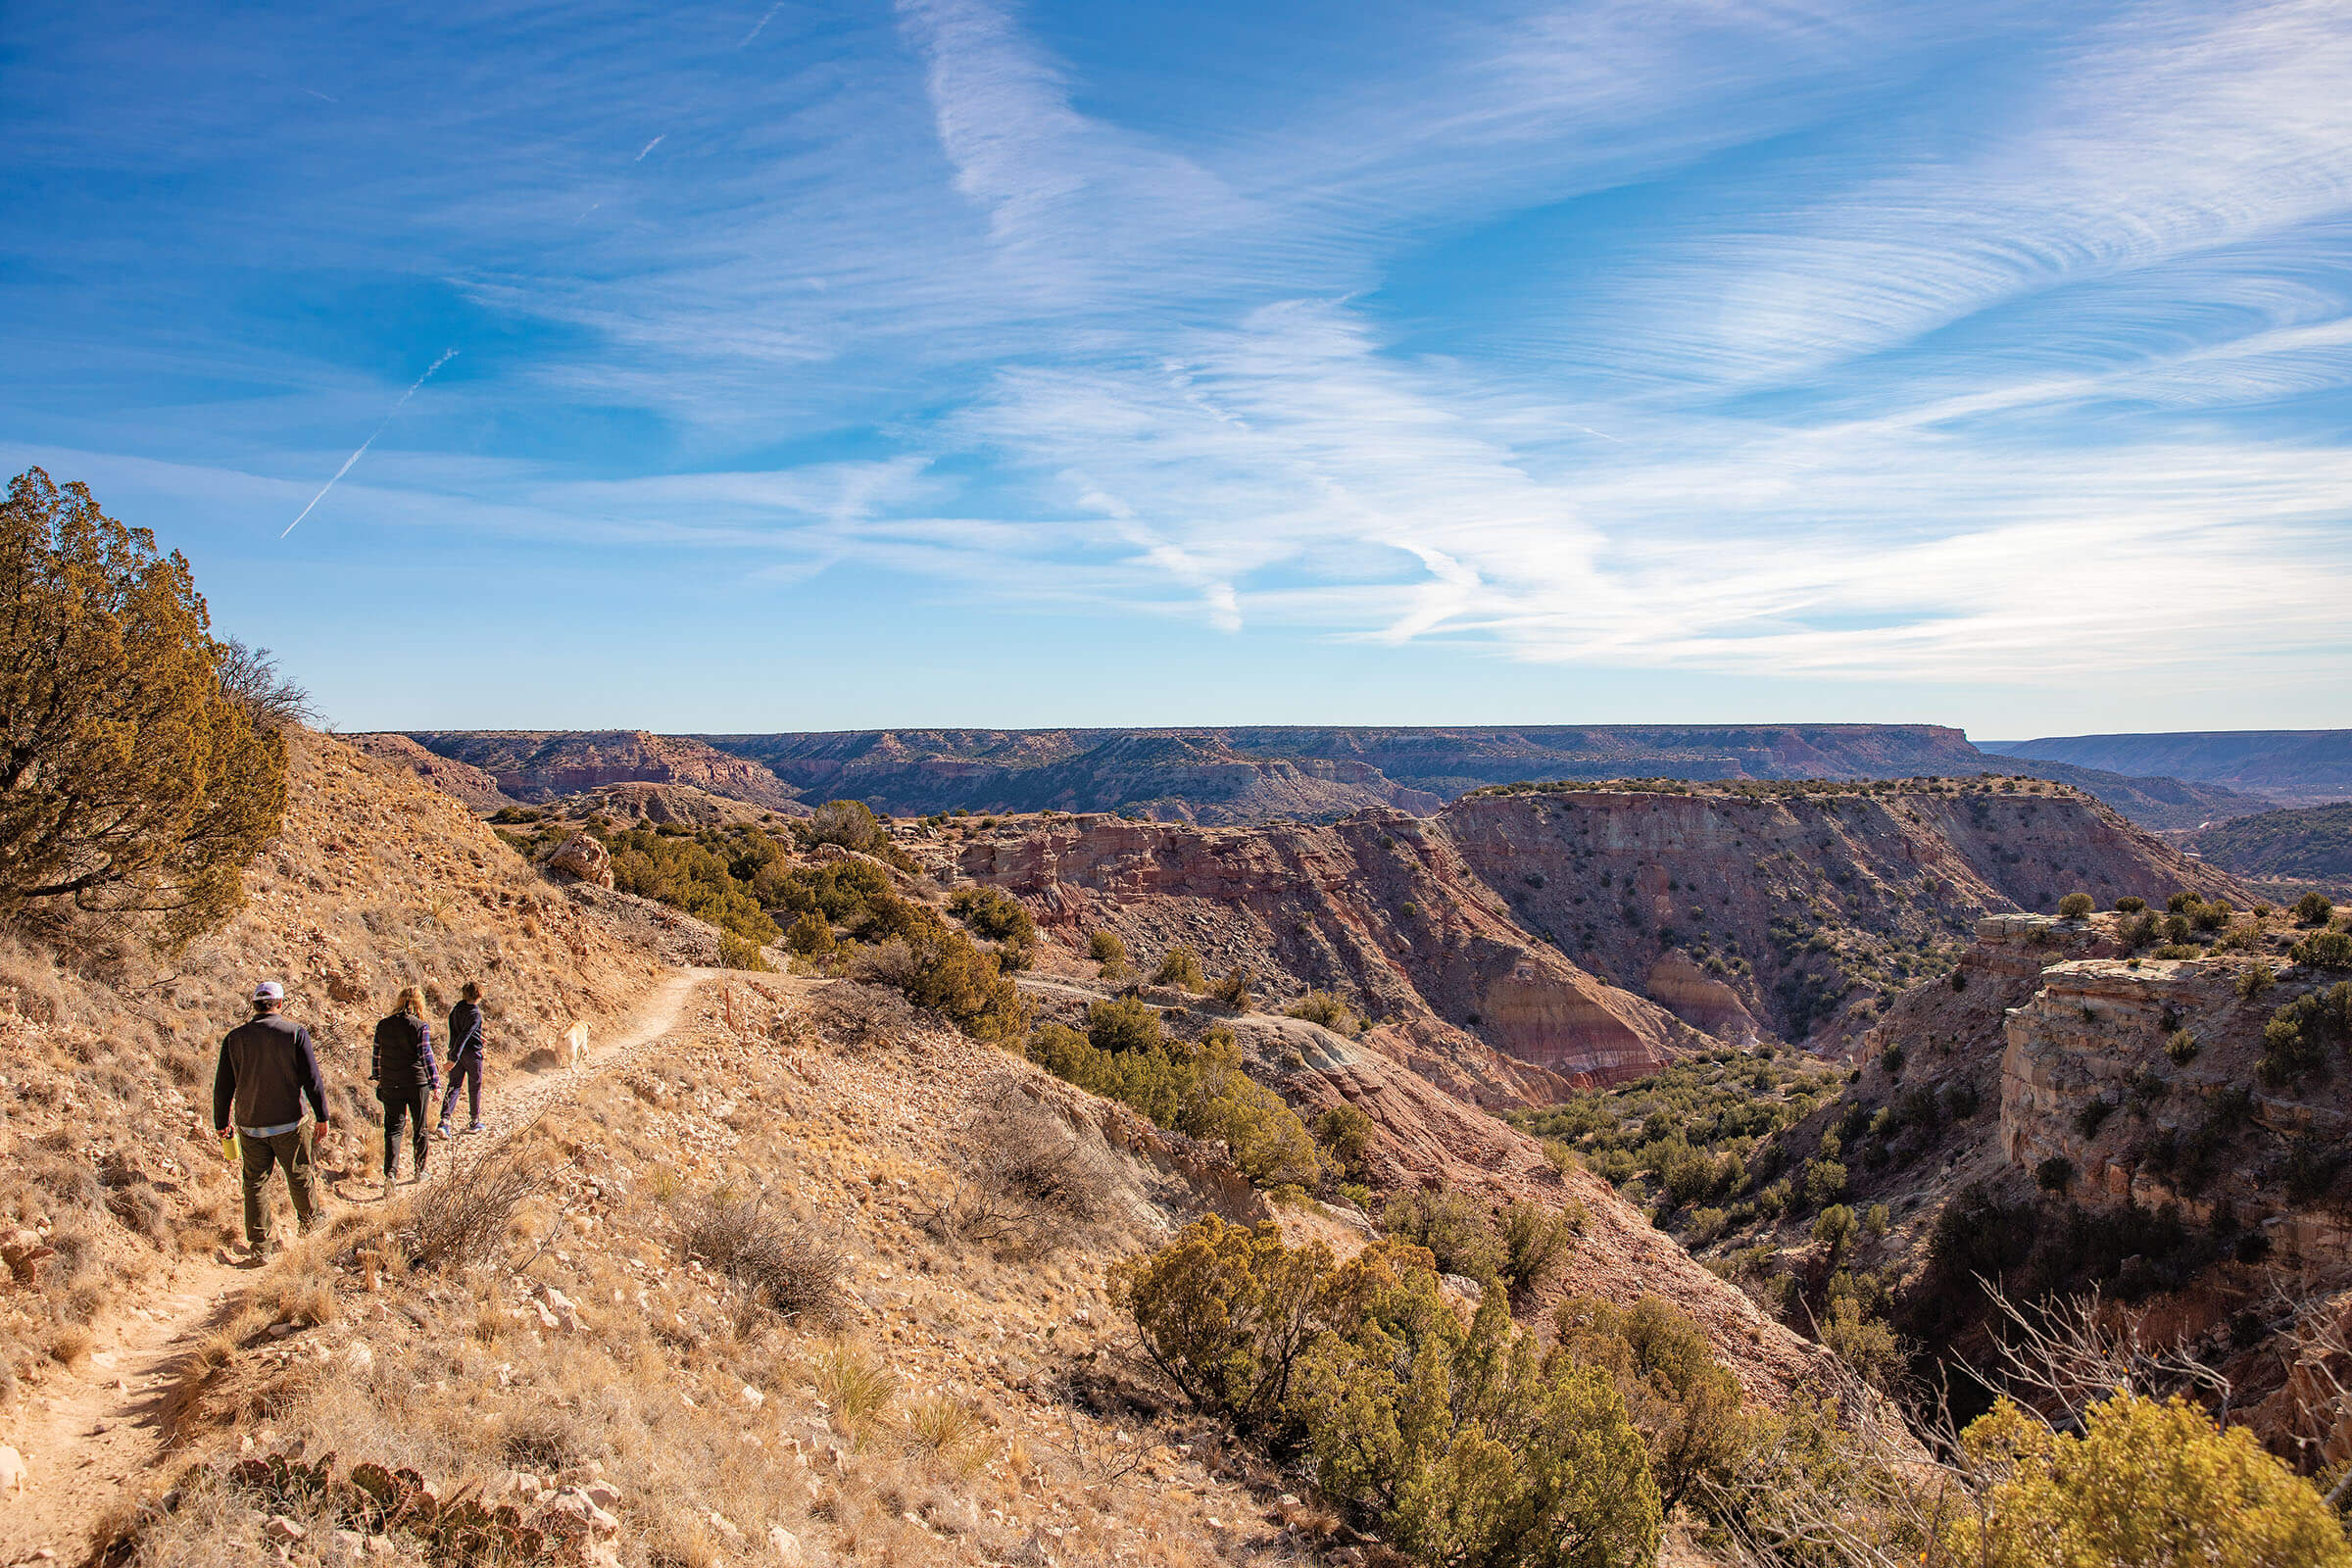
{"points": [[70, 1344], [854, 1383]]}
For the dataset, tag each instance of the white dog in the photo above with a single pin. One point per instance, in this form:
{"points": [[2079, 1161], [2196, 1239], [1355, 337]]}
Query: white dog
{"points": [[577, 1037]]}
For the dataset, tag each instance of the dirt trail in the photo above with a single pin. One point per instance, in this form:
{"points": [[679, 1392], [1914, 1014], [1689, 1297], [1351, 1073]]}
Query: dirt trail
{"points": [[93, 1429]]}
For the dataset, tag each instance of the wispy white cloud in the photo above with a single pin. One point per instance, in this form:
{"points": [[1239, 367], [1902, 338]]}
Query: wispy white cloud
{"points": [[1775, 341]]}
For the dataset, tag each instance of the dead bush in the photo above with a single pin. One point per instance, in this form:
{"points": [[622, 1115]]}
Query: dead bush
{"points": [[1032, 1153], [778, 1264], [848, 1014], [1024, 1176], [464, 1216]]}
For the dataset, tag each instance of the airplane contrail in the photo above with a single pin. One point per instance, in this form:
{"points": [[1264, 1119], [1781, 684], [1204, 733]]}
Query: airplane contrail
{"points": [[647, 148], [370, 441], [762, 22]]}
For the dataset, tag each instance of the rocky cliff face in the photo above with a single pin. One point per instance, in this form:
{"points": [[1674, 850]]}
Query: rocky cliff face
{"points": [[2087, 1078], [1380, 908], [1789, 913], [540, 764]]}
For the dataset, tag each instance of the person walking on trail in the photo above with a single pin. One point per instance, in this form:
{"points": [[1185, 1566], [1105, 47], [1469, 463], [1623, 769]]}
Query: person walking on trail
{"points": [[405, 1079], [267, 1069], [465, 1058]]}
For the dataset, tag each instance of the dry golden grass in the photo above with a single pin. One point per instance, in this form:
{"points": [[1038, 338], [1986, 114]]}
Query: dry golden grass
{"points": [[70, 1344]]}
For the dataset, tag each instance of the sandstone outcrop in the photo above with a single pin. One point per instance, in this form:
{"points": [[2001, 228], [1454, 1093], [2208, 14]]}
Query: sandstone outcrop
{"points": [[2095, 1035], [582, 857]]}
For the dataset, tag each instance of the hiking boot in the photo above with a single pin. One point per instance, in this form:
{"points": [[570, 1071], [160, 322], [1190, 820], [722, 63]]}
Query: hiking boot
{"points": [[477, 1127], [443, 1133]]}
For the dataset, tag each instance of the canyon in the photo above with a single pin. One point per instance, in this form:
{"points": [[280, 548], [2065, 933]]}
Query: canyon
{"points": [[1523, 944]]}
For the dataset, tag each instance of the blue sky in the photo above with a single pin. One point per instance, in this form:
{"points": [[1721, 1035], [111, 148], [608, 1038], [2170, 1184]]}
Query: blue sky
{"points": [[832, 366]]}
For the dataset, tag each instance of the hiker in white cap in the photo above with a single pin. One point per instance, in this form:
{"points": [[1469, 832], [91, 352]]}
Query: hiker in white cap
{"points": [[266, 1070]]}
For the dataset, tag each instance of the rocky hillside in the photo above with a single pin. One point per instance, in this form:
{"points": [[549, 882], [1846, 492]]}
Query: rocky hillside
{"points": [[537, 765], [2288, 766], [2069, 1111], [2302, 844], [476, 787]]}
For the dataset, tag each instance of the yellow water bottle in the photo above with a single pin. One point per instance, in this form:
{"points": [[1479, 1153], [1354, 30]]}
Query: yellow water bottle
{"points": [[231, 1149]]}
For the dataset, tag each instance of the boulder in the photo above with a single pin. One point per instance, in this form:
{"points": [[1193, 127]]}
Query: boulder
{"points": [[582, 857]]}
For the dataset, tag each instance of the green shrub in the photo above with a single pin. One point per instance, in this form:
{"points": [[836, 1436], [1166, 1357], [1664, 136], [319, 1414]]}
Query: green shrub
{"points": [[2086, 1498], [994, 915], [2181, 1048], [1685, 1403], [1535, 1240], [2055, 1174], [2129, 905], [2314, 909], [1345, 1133], [1825, 1182], [1327, 1010], [740, 952], [1198, 1088], [1454, 1227], [1226, 1313], [1233, 988], [1106, 950], [1180, 967], [811, 937], [699, 875], [938, 967], [1833, 1228], [1470, 1444], [2325, 950], [1123, 1023], [1863, 1340], [2074, 905], [145, 763], [2296, 1041], [2257, 979]]}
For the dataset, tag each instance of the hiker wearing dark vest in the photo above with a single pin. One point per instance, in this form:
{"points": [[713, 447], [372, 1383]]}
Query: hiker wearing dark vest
{"points": [[465, 1058], [266, 1070], [405, 1078]]}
